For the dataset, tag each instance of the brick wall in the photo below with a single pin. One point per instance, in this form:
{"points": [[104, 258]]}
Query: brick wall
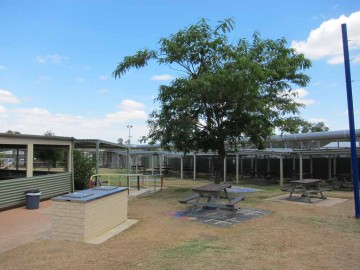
{"points": [[82, 221]]}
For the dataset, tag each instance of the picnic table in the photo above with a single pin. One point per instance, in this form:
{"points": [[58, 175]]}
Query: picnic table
{"points": [[139, 168], [344, 180], [213, 196], [307, 188], [164, 169], [266, 177]]}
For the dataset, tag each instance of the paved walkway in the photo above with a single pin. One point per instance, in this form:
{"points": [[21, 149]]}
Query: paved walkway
{"points": [[19, 226]]}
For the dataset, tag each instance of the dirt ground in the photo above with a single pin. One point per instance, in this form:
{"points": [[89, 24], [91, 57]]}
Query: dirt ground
{"points": [[292, 236]]}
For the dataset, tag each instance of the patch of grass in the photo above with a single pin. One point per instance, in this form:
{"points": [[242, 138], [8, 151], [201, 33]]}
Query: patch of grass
{"points": [[180, 190], [194, 248], [349, 225]]}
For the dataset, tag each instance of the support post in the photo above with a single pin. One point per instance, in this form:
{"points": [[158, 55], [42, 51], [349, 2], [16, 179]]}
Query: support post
{"points": [[194, 167], [181, 167], [98, 156], [30, 160], [281, 171], [354, 160], [224, 170], [237, 168], [300, 166], [329, 168]]}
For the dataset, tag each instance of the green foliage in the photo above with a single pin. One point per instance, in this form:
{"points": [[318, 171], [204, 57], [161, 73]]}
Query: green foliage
{"points": [[228, 91], [84, 168], [49, 133], [50, 155], [13, 132], [298, 125]]}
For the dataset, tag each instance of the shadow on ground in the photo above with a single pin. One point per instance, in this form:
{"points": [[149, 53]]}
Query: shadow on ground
{"points": [[221, 218]]}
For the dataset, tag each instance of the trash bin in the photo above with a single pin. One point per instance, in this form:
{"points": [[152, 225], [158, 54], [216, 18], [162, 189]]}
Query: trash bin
{"points": [[32, 198]]}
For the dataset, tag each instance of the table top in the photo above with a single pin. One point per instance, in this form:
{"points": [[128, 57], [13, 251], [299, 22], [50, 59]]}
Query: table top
{"points": [[212, 188], [87, 195], [306, 181]]}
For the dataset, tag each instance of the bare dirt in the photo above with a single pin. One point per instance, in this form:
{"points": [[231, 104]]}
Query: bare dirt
{"points": [[292, 236]]}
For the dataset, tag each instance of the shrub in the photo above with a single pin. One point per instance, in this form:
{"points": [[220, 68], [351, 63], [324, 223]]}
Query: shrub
{"points": [[84, 168]]}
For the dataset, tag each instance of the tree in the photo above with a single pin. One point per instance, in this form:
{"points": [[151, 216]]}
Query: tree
{"points": [[298, 125], [48, 154], [227, 91], [49, 133], [84, 168], [318, 127], [13, 132]]}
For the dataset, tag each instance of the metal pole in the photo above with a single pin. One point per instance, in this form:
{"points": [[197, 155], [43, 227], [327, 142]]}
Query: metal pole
{"points": [[351, 121], [281, 171], [237, 168], [97, 157], [194, 176], [224, 169], [129, 165], [300, 167], [181, 168]]}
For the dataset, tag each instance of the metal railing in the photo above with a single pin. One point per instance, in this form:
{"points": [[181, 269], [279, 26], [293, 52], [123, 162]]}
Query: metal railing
{"points": [[127, 180]]}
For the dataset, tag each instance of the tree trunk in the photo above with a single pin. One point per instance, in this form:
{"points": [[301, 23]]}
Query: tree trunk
{"points": [[222, 156]]}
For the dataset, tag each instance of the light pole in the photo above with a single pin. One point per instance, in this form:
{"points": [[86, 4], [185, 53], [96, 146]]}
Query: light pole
{"points": [[129, 127], [128, 167]]}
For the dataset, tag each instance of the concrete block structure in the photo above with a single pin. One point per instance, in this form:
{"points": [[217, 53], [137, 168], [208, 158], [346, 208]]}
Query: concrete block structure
{"points": [[87, 214]]}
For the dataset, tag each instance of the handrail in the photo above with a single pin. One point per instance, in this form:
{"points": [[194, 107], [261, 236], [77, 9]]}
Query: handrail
{"points": [[128, 177]]}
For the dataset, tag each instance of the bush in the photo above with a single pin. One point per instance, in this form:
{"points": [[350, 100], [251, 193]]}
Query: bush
{"points": [[84, 168]]}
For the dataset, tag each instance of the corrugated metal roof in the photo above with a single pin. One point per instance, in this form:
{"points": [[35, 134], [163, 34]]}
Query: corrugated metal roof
{"points": [[91, 144]]}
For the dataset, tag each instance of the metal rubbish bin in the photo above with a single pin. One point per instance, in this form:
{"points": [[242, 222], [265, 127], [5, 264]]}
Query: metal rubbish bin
{"points": [[32, 198]]}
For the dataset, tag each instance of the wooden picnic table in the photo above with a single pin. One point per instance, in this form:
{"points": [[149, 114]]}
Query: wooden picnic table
{"points": [[307, 188], [215, 195], [164, 169], [344, 180], [266, 177]]}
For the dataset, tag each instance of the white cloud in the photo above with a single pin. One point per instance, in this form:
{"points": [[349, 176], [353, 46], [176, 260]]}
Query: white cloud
{"points": [[164, 77], [108, 127], [325, 42], [104, 77], [306, 102], [50, 58], [356, 59], [7, 97], [300, 94], [3, 113], [40, 59], [125, 116], [316, 120], [2, 67], [130, 105]]}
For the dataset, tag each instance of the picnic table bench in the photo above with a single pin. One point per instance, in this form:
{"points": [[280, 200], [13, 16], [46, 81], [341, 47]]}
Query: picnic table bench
{"points": [[265, 177], [216, 197], [307, 188]]}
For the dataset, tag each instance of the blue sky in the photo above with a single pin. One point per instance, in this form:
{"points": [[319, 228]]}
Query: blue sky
{"points": [[56, 58]]}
